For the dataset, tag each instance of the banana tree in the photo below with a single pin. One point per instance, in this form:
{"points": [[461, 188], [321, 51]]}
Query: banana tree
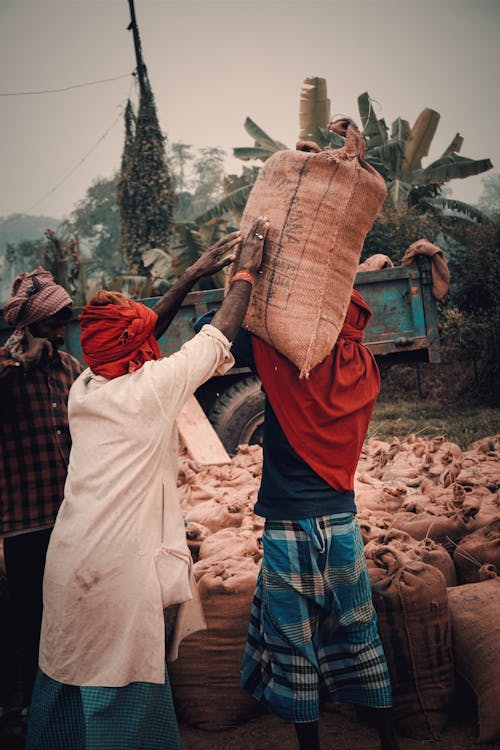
{"points": [[398, 157], [396, 152]]}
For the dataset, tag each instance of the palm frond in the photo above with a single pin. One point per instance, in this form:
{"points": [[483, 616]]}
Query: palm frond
{"points": [[235, 201], [314, 109], [454, 146], [249, 153], [417, 145], [261, 138], [158, 263], [459, 208], [451, 167], [374, 130]]}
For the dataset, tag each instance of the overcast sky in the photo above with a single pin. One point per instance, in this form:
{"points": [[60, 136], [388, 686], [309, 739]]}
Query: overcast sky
{"points": [[211, 64]]}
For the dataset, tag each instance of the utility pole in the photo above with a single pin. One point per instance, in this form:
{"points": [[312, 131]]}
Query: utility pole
{"points": [[142, 73]]}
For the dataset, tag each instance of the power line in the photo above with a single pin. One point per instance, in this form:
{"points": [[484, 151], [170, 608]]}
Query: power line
{"points": [[82, 160], [66, 88]]}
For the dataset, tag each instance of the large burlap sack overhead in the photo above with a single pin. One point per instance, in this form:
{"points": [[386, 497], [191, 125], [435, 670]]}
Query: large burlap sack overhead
{"points": [[320, 207]]}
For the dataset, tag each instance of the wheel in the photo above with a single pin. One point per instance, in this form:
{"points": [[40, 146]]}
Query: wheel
{"points": [[238, 414]]}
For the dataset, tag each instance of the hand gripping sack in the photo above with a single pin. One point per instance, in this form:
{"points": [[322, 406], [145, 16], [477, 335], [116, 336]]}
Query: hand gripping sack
{"points": [[320, 207]]}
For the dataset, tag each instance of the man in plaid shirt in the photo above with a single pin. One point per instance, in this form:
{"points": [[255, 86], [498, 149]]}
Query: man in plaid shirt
{"points": [[35, 378]]}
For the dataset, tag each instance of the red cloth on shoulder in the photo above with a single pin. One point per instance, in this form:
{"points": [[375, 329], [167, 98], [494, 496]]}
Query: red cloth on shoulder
{"points": [[325, 417], [117, 339]]}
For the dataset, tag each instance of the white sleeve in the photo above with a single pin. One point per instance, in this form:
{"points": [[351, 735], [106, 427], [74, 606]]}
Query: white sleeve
{"points": [[176, 377]]}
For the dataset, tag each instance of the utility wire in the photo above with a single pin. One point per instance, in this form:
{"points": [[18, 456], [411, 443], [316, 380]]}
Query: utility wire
{"points": [[66, 88], [82, 160]]}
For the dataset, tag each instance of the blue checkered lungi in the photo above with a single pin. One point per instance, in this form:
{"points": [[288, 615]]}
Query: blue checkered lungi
{"points": [[313, 628], [139, 716]]}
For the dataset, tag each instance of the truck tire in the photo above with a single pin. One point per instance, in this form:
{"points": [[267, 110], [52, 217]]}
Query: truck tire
{"points": [[238, 414]]}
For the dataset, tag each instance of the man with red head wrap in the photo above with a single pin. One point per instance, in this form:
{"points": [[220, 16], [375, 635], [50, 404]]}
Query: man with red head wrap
{"points": [[35, 378], [118, 555]]}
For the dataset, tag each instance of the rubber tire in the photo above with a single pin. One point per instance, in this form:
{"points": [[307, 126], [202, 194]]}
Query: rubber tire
{"points": [[238, 414]]}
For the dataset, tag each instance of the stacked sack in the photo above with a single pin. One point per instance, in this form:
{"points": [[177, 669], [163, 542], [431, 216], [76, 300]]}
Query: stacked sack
{"points": [[430, 517]]}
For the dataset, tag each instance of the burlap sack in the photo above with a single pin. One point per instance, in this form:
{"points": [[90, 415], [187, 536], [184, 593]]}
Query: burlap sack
{"points": [[475, 622], [320, 207], [205, 679], [480, 548], [435, 554], [410, 599]]}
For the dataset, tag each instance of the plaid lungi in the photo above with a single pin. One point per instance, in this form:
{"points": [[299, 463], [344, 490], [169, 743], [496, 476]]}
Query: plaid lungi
{"points": [[139, 716], [313, 628]]}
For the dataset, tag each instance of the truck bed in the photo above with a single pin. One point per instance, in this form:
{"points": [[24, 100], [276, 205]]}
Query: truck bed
{"points": [[403, 326]]}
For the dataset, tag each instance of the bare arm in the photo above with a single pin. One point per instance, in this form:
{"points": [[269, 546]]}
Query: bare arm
{"points": [[230, 314], [212, 260]]}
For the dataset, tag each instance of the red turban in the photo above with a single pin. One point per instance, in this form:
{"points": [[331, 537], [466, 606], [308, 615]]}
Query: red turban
{"points": [[117, 339]]}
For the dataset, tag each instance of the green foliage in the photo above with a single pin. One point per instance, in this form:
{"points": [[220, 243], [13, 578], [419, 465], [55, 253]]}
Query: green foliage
{"points": [[95, 222], [475, 269], [393, 232], [61, 258], [21, 246], [25, 255], [489, 200]]}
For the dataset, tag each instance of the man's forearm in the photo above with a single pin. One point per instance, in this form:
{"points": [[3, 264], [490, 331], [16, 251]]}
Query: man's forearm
{"points": [[168, 305], [229, 316]]}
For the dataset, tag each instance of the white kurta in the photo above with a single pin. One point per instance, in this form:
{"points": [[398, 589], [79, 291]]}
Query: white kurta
{"points": [[118, 553]]}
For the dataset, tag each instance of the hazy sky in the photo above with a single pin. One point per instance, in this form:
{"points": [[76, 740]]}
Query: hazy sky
{"points": [[211, 64]]}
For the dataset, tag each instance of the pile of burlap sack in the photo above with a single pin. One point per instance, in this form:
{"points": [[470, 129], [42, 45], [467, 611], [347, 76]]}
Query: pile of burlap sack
{"points": [[430, 518]]}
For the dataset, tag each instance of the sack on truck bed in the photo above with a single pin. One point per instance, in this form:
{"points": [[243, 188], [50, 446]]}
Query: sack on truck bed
{"points": [[320, 207]]}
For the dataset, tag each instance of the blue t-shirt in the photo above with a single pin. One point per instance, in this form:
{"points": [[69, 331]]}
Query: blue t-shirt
{"points": [[289, 489]]}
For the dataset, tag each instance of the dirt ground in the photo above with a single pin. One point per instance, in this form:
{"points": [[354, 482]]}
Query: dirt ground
{"points": [[339, 730]]}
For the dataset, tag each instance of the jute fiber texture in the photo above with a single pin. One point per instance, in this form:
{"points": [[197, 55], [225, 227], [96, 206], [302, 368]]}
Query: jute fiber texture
{"points": [[320, 207], [411, 602], [475, 623], [205, 679]]}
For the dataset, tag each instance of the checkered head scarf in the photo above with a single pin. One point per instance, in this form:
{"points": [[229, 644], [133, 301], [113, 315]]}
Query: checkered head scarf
{"points": [[35, 296]]}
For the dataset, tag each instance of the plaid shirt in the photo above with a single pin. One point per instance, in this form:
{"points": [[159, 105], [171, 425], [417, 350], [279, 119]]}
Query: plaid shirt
{"points": [[35, 441]]}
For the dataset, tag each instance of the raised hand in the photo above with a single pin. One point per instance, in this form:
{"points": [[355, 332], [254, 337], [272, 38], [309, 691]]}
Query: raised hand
{"points": [[217, 256]]}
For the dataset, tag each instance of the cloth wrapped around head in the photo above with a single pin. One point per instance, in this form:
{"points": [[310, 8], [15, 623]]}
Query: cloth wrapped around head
{"points": [[35, 296], [117, 334]]}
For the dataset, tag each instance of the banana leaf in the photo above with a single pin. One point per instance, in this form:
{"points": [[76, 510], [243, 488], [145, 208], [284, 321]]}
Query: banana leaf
{"points": [[454, 146], [158, 263], [314, 109], [397, 193], [374, 130], [390, 155], [449, 168], [417, 145], [247, 153], [235, 201], [187, 248], [461, 209], [232, 182], [400, 131], [261, 138]]}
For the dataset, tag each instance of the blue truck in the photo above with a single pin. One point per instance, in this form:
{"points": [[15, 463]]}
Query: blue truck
{"points": [[403, 328]]}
